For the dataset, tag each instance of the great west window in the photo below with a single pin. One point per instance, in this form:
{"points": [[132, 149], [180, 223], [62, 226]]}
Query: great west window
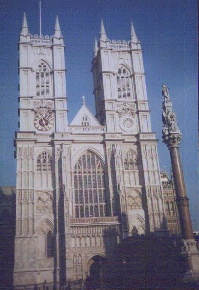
{"points": [[89, 186]]}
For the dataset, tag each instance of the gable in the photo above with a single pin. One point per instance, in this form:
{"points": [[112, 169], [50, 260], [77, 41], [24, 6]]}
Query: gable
{"points": [[84, 117]]}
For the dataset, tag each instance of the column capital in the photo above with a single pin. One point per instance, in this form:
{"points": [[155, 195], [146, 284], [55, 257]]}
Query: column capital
{"points": [[171, 139], [182, 201]]}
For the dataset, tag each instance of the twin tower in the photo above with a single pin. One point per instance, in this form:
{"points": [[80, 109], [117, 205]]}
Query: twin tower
{"points": [[81, 187]]}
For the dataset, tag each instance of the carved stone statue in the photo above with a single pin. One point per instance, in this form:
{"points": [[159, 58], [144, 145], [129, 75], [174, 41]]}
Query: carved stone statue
{"points": [[165, 93], [170, 130]]}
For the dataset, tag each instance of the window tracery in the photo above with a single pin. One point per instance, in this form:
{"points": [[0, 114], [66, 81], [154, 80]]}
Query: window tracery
{"points": [[89, 186], [123, 83], [44, 162], [43, 80], [85, 121]]}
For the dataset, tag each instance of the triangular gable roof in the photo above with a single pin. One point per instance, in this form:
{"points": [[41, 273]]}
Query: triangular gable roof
{"points": [[84, 111]]}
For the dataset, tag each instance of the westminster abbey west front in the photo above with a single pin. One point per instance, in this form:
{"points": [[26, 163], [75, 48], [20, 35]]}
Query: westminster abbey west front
{"points": [[81, 187]]}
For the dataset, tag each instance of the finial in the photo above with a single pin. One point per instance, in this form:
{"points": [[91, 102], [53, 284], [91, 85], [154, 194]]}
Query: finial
{"points": [[165, 93], [102, 32], [171, 132], [83, 100], [133, 34], [95, 48], [57, 28], [24, 30]]}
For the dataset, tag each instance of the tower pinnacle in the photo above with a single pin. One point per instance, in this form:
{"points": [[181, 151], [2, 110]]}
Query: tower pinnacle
{"points": [[103, 36], [24, 30], [133, 34], [57, 28]]}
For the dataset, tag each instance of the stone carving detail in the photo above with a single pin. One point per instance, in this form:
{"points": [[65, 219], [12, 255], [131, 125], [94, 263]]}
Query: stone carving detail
{"points": [[47, 104], [127, 109], [25, 152], [126, 112], [41, 52], [25, 197], [44, 202], [94, 236], [37, 104], [134, 200], [171, 133]]}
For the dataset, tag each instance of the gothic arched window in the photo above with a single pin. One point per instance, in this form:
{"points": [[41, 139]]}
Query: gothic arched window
{"points": [[130, 161], [89, 186], [49, 245], [85, 121], [43, 80], [123, 83], [44, 162]]}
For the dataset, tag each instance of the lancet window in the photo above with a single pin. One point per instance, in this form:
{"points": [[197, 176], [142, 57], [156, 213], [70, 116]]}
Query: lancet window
{"points": [[44, 162], [43, 80], [123, 83], [89, 186], [85, 121]]}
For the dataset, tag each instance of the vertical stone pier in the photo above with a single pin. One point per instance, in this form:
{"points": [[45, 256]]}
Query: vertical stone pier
{"points": [[172, 138]]}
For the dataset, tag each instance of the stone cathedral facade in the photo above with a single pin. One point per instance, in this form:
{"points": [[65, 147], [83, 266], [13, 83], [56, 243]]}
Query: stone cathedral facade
{"points": [[81, 187]]}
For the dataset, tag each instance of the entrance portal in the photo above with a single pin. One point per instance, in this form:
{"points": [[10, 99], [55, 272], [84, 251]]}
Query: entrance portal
{"points": [[95, 280]]}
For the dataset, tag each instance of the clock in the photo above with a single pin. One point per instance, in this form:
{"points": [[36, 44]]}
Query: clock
{"points": [[43, 120], [127, 123]]}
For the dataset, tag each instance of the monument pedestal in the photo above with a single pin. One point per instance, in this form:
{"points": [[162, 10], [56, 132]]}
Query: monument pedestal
{"points": [[191, 254]]}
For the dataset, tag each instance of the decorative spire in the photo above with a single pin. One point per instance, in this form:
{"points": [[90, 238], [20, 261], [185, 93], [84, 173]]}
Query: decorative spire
{"points": [[171, 132], [102, 32], [83, 100], [133, 34], [24, 30], [95, 48], [57, 28]]}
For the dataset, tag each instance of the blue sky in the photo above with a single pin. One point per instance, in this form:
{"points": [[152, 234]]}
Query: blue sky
{"points": [[168, 34]]}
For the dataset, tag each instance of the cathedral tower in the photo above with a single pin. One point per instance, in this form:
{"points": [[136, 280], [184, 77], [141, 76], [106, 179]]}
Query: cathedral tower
{"points": [[42, 113], [122, 106]]}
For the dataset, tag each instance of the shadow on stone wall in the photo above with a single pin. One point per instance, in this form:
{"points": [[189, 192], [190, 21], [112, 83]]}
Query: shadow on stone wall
{"points": [[7, 235], [146, 262]]}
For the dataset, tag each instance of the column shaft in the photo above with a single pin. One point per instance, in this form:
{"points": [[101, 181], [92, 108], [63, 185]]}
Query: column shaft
{"points": [[181, 197]]}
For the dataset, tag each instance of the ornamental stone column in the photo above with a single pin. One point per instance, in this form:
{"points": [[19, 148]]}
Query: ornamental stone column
{"points": [[172, 138]]}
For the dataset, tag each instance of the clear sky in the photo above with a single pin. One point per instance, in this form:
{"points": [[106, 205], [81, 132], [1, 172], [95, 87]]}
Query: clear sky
{"points": [[167, 30]]}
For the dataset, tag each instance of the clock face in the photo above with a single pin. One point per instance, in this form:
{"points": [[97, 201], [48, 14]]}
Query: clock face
{"points": [[43, 119], [127, 123]]}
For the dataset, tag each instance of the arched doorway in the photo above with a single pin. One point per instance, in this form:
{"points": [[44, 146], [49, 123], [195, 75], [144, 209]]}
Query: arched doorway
{"points": [[95, 277]]}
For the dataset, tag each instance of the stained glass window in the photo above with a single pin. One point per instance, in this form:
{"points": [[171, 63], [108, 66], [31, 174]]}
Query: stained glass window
{"points": [[89, 186]]}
